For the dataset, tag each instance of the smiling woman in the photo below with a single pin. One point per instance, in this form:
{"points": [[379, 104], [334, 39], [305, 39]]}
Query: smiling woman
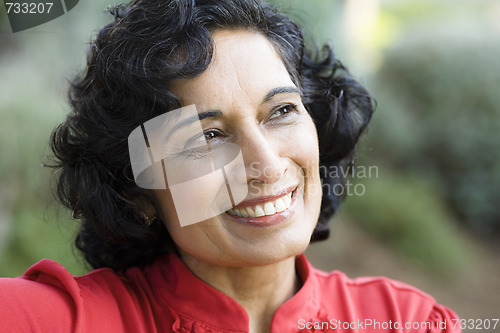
{"points": [[256, 92], [260, 110]]}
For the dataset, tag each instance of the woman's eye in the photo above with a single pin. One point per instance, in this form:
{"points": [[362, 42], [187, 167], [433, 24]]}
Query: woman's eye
{"points": [[201, 144], [283, 111], [211, 135], [202, 139]]}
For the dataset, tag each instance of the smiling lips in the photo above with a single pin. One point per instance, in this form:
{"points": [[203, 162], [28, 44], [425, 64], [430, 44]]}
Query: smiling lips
{"points": [[266, 211], [267, 208]]}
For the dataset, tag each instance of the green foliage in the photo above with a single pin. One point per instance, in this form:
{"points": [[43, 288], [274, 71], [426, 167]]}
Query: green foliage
{"points": [[320, 19], [409, 216], [35, 233], [439, 113], [34, 66], [30, 223]]}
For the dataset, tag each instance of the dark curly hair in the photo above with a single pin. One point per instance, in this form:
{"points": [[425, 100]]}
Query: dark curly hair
{"points": [[125, 83]]}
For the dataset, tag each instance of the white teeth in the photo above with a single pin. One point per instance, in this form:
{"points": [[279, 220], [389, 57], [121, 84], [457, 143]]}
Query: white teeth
{"points": [[259, 211], [280, 205], [251, 212], [269, 208], [288, 200], [244, 212]]}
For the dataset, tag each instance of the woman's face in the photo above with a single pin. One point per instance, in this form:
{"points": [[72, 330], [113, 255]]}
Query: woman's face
{"points": [[253, 104]]}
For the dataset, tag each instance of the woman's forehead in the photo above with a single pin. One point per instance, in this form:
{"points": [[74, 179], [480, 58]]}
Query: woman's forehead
{"points": [[244, 66]]}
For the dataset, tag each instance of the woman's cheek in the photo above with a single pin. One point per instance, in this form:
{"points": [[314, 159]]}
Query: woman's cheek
{"points": [[302, 146]]}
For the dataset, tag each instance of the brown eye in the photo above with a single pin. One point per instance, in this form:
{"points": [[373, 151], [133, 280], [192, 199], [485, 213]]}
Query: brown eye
{"points": [[211, 134], [283, 111], [201, 139]]}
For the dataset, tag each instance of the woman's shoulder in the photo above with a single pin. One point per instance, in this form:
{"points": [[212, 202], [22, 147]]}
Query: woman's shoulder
{"points": [[47, 297], [50, 275], [361, 288], [374, 302], [371, 285]]}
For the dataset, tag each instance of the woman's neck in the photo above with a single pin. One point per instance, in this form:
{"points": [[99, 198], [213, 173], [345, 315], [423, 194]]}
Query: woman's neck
{"points": [[261, 290]]}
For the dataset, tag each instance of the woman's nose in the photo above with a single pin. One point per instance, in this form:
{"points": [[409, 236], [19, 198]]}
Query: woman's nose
{"points": [[262, 158]]}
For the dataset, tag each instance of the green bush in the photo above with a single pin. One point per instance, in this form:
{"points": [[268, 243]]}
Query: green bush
{"points": [[439, 114], [409, 216], [37, 233]]}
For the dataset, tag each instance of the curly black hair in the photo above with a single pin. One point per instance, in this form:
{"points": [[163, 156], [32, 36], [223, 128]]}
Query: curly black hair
{"points": [[125, 83]]}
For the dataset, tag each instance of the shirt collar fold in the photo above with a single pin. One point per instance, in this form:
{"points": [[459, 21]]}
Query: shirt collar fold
{"points": [[192, 301]]}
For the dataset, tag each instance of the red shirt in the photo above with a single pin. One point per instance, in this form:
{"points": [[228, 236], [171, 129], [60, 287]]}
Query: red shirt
{"points": [[166, 297]]}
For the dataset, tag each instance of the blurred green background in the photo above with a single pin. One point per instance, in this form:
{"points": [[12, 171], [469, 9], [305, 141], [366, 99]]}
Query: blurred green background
{"points": [[428, 215]]}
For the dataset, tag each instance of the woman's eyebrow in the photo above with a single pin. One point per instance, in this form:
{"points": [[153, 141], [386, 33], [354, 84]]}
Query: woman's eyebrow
{"points": [[281, 90], [199, 117]]}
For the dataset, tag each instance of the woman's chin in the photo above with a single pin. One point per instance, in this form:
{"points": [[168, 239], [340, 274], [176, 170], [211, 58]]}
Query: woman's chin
{"points": [[289, 242]]}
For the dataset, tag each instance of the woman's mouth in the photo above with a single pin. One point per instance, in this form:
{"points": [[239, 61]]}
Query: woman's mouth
{"points": [[268, 208], [265, 213]]}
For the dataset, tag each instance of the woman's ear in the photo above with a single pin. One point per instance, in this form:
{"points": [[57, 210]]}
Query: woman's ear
{"points": [[144, 207]]}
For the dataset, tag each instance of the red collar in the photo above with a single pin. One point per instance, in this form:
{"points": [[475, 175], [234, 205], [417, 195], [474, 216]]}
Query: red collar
{"points": [[190, 299]]}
